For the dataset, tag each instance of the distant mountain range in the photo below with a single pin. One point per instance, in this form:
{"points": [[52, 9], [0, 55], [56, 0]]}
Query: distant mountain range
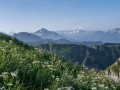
{"points": [[111, 36], [84, 37]]}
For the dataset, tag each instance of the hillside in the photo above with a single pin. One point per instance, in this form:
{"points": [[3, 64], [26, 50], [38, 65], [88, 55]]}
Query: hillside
{"points": [[28, 38], [26, 68], [97, 56]]}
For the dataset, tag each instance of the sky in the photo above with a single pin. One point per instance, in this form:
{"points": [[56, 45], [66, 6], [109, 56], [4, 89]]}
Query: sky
{"points": [[31, 15]]}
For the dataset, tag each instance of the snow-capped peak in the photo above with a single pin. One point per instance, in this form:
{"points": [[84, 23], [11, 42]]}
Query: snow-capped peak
{"points": [[41, 31], [78, 29]]}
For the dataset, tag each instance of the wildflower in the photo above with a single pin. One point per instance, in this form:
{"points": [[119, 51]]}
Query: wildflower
{"points": [[14, 74], [101, 85], [93, 81], [88, 76], [93, 88], [96, 78], [57, 79], [43, 66], [86, 68], [35, 62], [10, 84], [99, 77], [3, 49], [5, 75], [106, 87], [69, 88], [53, 76], [114, 87]]}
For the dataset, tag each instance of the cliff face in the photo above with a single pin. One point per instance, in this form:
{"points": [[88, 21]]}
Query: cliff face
{"points": [[98, 56]]}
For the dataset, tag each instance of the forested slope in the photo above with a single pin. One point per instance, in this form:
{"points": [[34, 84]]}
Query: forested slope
{"points": [[97, 56]]}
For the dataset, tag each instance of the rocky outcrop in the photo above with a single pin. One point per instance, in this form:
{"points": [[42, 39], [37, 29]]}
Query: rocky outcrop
{"points": [[113, 72]]}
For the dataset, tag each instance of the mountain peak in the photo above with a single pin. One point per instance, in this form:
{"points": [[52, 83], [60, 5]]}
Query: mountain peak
{"points": [[46, 34], [78, 29], [41, 30]]}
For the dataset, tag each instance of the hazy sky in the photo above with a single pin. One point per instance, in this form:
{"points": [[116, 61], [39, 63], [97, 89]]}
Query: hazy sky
{"points": [[30, 15]]}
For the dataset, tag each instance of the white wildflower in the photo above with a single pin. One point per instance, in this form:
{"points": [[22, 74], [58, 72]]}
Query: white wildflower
{"points": [[5, 75], [93, 88], [35, 62], [106, 87], [57, 79], [69, 88], [14, 74], [9, 84], [101, 85]]}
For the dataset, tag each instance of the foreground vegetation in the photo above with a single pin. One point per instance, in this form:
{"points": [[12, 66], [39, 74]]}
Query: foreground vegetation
{"points": [[25, 68]]}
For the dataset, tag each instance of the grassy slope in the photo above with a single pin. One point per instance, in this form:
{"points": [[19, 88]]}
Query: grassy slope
{"points": [[25, 68]]}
